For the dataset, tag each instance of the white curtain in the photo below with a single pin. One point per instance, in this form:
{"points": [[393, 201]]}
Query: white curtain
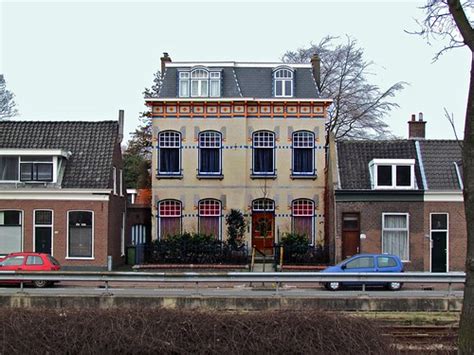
{"points": [[395, 236]]}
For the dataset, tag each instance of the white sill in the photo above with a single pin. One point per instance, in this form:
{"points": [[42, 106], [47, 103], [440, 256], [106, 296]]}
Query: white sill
{"points": [[78, 258]]}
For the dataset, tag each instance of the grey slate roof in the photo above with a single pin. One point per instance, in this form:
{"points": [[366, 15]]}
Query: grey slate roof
{"points": [[438, 158], [354, 157], [91, 144], [255, 82]]}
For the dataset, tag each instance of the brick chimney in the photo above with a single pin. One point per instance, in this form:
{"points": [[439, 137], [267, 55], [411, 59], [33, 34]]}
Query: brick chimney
{"points": [[417, 129], [165, 59], [316, 64]]}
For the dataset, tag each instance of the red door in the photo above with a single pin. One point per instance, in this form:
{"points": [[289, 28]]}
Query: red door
{"points": [[263, 226], [350, 235]]}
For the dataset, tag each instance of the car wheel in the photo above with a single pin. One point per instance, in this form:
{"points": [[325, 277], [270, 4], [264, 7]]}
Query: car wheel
{"points": [[394, 286], [333, 286], [40, 283]]}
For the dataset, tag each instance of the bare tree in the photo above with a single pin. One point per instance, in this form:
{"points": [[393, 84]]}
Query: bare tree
{"points": [[7, 104], [448, 20], [360, 108]]}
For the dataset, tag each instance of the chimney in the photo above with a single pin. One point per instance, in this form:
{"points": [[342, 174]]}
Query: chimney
{"points": [[316, 64], [165, 59], [417, 129], [120, 122]]}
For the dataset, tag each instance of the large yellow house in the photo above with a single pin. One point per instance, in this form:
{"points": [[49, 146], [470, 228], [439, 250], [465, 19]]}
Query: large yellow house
{"points": [[234, 135]]}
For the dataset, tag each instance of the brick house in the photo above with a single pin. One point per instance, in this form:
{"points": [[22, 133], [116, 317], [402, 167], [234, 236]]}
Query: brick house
{"points": [[247, 136], [398, 196], [61, 191]]}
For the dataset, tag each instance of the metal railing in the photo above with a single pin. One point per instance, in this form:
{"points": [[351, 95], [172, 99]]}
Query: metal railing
{"points": [[276, 278]]}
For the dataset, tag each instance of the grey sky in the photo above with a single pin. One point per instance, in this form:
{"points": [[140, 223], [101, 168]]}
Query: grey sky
{"points": [[86, 60]]}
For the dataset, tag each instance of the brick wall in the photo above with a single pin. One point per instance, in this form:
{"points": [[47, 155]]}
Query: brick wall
{"points": [[371, 226], [60, 228]]}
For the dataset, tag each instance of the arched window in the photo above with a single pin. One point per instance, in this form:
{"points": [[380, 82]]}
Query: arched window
{"points": [[210, 217], [283, 82], [210, 143], [302, 212], [199, 82], [263, 153], [263, 205], [169, 218], [169, 149], [303, 153]]}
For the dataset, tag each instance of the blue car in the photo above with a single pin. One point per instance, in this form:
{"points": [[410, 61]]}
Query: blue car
{"points": [[367, 263]]}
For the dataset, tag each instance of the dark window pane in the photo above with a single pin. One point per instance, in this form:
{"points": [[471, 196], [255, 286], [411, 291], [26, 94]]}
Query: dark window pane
{"points": [[169, 160], [43, 217], [10, 218], [80, 218], [288, 88], [26, 171], [278, 87], [384, 175], [263, 160], [439, 221], [8, 168], [403, 176], [34, 158], [80, 241], [44, 172], [350, 222], [209, 160], [303, 160]]}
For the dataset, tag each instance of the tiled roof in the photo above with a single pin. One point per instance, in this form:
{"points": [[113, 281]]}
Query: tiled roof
{"points": [[246, 81], [354, 158], [438, 158], [91, 144]]}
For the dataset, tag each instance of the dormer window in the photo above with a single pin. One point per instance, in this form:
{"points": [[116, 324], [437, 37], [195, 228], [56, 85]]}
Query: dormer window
{"points": [[36, 168], [31, 165], [283, 82], [199, 83], [392, 173]]}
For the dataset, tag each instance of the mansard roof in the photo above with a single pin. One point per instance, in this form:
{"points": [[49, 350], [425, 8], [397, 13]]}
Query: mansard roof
{"points": [[245, 80]]}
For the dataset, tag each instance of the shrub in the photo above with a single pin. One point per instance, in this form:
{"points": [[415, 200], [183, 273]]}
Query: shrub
{"points": [[162, 331], [235, 228]]}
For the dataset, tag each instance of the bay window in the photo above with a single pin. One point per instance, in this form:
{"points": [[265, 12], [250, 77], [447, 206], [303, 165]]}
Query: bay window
{"points": [[210, 217], [263, 153], [302, 212], [395, 234], [210, 144], [169, 157], [303, 153], [169, 218], [80, 236]]}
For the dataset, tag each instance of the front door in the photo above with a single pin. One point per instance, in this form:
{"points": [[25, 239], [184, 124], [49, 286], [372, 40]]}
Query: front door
{"points": [[263, 231], [439, 242], [350, 235], [43, 231]]}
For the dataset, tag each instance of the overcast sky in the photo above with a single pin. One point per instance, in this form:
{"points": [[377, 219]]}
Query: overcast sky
{"points": [[85, 60]]}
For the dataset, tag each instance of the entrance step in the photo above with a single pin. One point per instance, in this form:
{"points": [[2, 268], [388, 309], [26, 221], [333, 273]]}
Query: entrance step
{"points": [[259, 267]]}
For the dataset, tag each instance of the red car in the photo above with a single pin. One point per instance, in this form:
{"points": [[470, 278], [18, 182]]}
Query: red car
{"points": [[29, 262]]}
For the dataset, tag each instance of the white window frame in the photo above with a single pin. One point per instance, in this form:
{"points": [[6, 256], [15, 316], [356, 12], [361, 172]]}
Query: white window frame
{"points": [[162, 145], [186, 78], [202, 145], [293, 215], [393, 163], [277, 77], [447, 239], [180, 216], [258, 143], [407, 215], [258, 205], [218, 215], [43, 225], [295, 148], [121, 182], [22, 219], [114, 174], [93, 237], [18, 180]]}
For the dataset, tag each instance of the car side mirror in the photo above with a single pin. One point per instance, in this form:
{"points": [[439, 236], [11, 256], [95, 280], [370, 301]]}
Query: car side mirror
{"points": [[343, 266]]}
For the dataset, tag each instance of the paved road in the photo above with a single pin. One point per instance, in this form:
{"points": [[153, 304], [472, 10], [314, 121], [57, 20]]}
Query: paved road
{"points": [[237, 291]]}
